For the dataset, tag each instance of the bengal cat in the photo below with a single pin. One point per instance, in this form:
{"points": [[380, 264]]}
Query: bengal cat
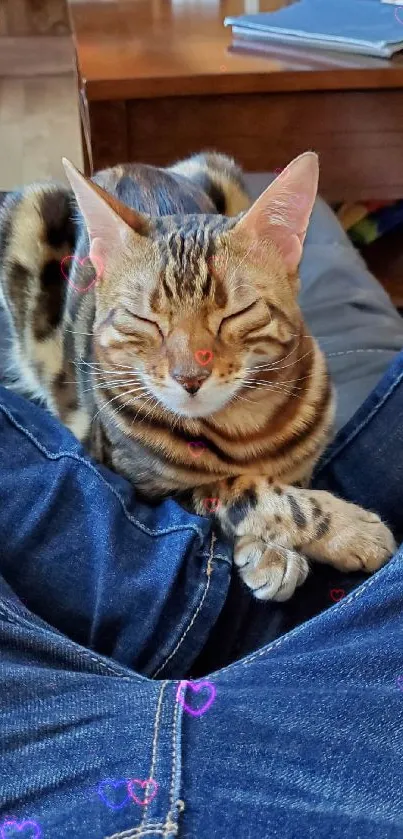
{"points": [[176, 350]]}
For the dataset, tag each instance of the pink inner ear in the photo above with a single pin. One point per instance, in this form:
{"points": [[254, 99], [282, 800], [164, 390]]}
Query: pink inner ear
{"points": [[97, 253], [281, 214]]}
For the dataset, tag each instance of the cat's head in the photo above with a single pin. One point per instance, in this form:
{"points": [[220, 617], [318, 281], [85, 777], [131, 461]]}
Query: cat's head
{"points": [[194, 306]]}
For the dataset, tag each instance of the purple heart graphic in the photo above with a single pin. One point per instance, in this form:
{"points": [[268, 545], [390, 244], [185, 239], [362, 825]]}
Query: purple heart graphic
{"points": [[150, 786], [399, 682], [25, 830], [196, 688], [107, 796]]}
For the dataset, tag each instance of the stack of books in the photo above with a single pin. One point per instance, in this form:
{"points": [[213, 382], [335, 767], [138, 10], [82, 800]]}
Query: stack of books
{"points": [[359, 26]]}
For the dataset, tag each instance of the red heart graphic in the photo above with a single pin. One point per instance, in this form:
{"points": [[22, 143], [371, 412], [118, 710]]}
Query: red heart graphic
{"points": [[149, 784], [337, 593], [196, 449], [212, 504], [94, 262], [203, 357]]}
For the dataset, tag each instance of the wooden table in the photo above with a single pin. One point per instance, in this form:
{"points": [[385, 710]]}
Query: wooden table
{"points": [[160, 79]]}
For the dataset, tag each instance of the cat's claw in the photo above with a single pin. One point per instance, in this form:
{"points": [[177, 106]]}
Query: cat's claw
{"points": [[270, 571]]}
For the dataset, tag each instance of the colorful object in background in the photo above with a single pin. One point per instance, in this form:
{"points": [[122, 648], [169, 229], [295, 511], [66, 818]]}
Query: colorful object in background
{"points": [[369, 220]]}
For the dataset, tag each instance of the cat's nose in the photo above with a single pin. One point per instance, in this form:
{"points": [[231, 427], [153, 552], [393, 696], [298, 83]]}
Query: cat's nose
{"points": [[191, 383]]}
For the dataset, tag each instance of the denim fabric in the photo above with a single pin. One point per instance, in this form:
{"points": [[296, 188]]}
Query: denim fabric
{"points": [[300, 738], [71, 535]]}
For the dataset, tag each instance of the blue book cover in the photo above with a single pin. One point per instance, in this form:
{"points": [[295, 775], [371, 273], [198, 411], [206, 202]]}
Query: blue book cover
{"points": [[364, 26]]}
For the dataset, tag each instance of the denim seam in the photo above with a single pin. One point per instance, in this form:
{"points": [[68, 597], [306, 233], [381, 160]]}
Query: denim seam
{"points": [[134, 833], [209, 571], [298, 629], [89, 465], [145, 827], [154, 745], [20, 621], [357, 430], [171, 825]]}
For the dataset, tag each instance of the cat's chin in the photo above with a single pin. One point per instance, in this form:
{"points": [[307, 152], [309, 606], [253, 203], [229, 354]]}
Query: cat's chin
{"points": [[191, 411], [194, 407]]}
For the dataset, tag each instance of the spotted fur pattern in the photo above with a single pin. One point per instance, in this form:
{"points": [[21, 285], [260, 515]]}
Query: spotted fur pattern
{"points": [[248, 459]]}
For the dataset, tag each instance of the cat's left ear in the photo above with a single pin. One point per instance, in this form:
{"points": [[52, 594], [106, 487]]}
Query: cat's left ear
{"points": [[281, 214], [109, 222]]}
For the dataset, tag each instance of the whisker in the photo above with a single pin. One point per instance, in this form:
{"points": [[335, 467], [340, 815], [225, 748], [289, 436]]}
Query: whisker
{"points": [[150, 398], [99, 365], [113, 385], [134, 390], [75, 332]]}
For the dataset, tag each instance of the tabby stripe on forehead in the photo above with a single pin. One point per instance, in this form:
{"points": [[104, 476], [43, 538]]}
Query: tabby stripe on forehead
{"points": [[173, 245], [207, 285], [167, 288]]}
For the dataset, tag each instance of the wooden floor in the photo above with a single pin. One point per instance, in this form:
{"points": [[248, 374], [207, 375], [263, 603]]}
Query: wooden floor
{"points": [[39, 125]]}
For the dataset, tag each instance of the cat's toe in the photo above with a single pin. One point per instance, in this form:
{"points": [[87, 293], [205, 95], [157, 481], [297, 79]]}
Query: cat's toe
{"points": [[375, 545], [270, 571]]}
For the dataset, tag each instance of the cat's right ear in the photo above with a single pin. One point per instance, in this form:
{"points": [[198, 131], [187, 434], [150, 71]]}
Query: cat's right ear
{"points": [[109, 222]]}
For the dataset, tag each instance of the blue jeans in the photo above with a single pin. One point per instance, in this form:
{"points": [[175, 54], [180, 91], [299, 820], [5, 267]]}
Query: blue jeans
{"points": [[110, 607]]}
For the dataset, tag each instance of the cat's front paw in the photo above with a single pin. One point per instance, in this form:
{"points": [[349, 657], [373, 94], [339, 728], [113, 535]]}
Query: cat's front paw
{"points": [[270, 571], [355, 540]]}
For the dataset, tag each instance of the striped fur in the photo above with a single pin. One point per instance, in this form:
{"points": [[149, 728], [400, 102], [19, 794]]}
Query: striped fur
{"points": [[262, 417]]}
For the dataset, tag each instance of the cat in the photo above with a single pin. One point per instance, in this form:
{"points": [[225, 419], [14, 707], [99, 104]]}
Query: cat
{"points": [[155, 311]]}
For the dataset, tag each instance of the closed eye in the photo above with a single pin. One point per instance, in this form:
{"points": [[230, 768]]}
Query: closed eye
{"points": [[143, 320], [238, 314]]}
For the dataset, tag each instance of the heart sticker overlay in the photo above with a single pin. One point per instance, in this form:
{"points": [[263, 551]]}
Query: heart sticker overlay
{"points": [[149, 785], [399, 682], [196, 449], [337, 594], [95, 264], [211, 504], [110, 791], [24, 830], [205, 686], [203, 357]]}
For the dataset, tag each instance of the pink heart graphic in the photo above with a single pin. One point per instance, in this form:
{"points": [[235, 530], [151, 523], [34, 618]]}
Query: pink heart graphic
{"points": [[211, 504], [203, 357], [337, 594], [95, 264], [26, 830], [196, 449], [149, 783], [196, 688]]}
